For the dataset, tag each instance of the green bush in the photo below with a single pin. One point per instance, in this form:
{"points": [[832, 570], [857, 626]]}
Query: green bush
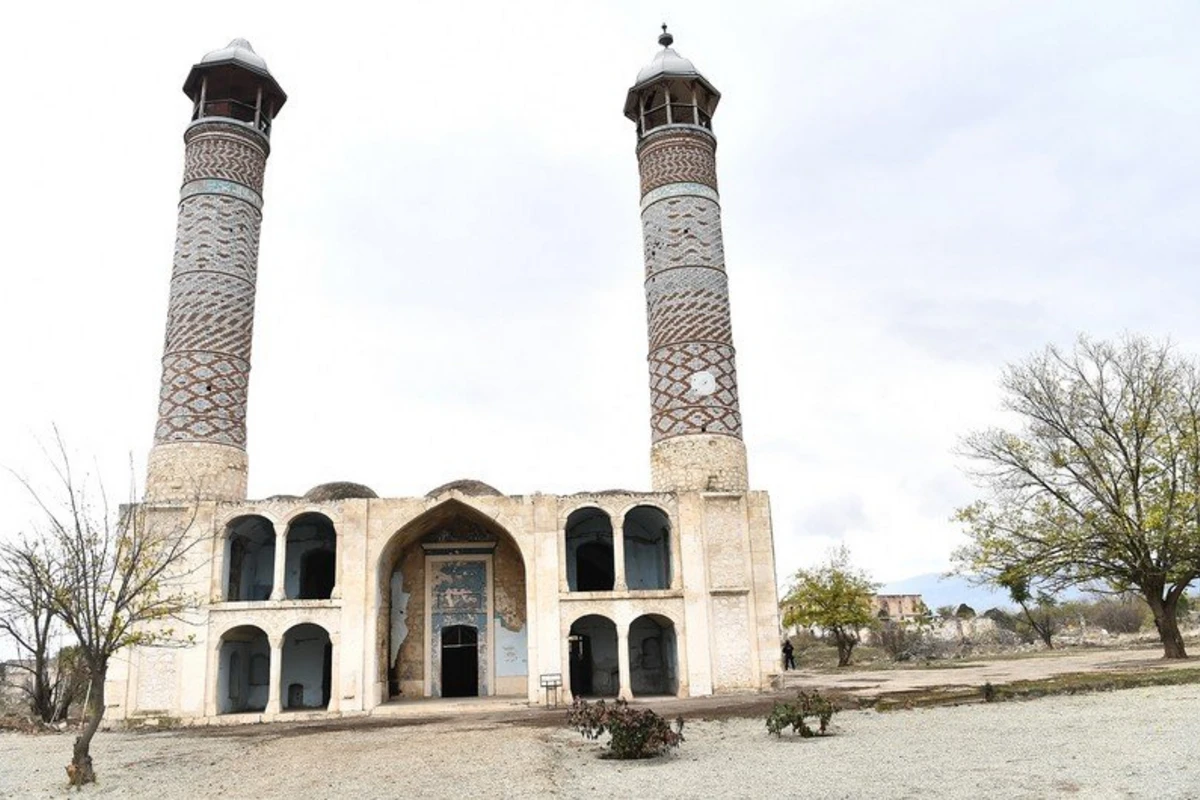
{"points": [[633, 732], [795, 715]]}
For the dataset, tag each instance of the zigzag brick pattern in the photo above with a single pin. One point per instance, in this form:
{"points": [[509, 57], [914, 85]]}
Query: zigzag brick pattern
{"points": [[687, 292], [676, 409], [688, 304], [682, 231], [679, 158], [221, 150], [210, 319]]}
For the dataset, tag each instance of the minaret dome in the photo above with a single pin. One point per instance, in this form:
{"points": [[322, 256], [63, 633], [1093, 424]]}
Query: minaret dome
{"points": [[670, 91], [234, 83]]}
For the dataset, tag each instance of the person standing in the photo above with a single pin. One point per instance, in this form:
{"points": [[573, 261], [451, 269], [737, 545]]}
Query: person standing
{"points": [[789, 662]]}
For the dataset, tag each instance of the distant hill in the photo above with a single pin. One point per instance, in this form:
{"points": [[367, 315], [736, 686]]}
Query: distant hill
{"points": [[939, 591]]}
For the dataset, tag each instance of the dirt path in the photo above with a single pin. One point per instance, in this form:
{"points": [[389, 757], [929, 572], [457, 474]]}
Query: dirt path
{"points": [[976, 673]]}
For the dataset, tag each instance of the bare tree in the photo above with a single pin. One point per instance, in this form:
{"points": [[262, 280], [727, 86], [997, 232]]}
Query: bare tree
{"points": [[28, 620], [1100, 485], [112, 578]]}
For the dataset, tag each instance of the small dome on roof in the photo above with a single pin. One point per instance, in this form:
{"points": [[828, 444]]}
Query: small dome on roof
{"points": [[338, 490], [239, 51], [471, 488], [667, 63]]}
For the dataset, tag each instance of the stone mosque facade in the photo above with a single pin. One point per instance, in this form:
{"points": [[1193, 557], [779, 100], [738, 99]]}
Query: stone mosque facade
{"points": [[342, 602]]}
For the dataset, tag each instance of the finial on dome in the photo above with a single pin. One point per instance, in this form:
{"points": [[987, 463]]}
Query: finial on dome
{"points": [[666, 39]]}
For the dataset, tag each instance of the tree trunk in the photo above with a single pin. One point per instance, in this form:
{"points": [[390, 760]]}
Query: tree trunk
{"points": [[1168, 626], [80, 769], [845, 645]]}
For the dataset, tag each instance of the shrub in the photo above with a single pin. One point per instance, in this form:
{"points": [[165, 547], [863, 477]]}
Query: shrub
{"points": [[1118, 615], [795, 715], [633, 732], [900, 640]]}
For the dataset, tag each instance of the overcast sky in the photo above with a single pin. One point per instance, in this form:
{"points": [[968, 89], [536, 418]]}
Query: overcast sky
{"points": [[450, 278]]}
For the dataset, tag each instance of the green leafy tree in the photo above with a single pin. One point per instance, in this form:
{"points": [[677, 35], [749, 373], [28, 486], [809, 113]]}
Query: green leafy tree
{"points": [[1040, 608], [110, 576], [1099, 483], [834, 597]]}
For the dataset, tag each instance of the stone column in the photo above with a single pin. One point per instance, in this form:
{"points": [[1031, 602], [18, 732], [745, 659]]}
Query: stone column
{"points": [[626, 690], [619, 582], [695, 423], [336, 592], [278, 590], [200, 441], [273, 704], [335, 673]]}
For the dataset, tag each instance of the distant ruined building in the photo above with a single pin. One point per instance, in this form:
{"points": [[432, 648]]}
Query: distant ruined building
{"points": [[339, 601]]}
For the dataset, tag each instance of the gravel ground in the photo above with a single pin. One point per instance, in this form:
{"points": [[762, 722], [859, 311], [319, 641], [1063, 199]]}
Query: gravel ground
{"points": [[1134, 743]]}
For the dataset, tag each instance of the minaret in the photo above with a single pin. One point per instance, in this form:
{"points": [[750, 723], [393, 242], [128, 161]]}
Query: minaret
{"points": [[696, 428], [200, 442]]}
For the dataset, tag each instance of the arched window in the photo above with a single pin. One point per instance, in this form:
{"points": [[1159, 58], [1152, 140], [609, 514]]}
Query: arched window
{"points": [[647, 532], [589, 542], [310, 571], [249, 559]]}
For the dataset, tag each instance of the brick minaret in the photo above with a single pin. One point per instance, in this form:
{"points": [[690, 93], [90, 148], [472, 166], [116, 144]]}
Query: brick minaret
{"points": [[696, 428], [200, 441]]}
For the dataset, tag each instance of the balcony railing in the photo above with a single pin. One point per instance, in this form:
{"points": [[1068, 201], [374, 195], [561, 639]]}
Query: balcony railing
{"points": [[233, 109]]}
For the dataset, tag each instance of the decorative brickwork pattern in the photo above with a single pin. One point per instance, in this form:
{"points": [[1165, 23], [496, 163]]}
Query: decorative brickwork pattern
{"points": [[225, 151], [682, 232], [686, 305], [693, 381], [678, 158], [677, 407], [210, 318], [203, 398]]}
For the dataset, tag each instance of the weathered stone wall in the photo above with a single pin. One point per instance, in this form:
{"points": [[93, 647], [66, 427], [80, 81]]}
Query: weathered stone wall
{"points": [[409, 666], [196, 470], [699, 463]]}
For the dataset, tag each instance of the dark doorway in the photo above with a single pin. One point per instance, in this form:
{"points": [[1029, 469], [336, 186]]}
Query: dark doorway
{"points": [[592, 657], [317, 574], [460, 661], [594, 567], [581, 663]]}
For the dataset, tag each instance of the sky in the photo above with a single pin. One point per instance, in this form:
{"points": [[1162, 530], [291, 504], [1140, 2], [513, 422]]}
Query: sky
{"points": [[450, 276]]}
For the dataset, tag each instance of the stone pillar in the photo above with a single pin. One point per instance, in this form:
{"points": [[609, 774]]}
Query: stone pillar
{"points": [[626, 691], [278, 589], [335, 673], [696, 426], [619, 582], [695, 423], [274, 688], [336, 592]]}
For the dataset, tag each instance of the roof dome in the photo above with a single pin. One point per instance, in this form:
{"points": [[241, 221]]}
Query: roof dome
{"points": [[471, 488], [667, 63], [238, 51], [339, 490]]}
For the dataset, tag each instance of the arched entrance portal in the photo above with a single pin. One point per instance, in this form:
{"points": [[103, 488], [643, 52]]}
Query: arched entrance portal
{"points": [[592, 653], [305, 678], [243, 670], [452, 590], [653, 656]]}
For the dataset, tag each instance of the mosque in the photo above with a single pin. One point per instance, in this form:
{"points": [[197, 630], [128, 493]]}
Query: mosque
{"points": [[340, 601]]}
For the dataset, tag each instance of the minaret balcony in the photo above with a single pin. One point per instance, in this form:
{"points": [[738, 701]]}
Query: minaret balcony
{"points": [[247, 113]]}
